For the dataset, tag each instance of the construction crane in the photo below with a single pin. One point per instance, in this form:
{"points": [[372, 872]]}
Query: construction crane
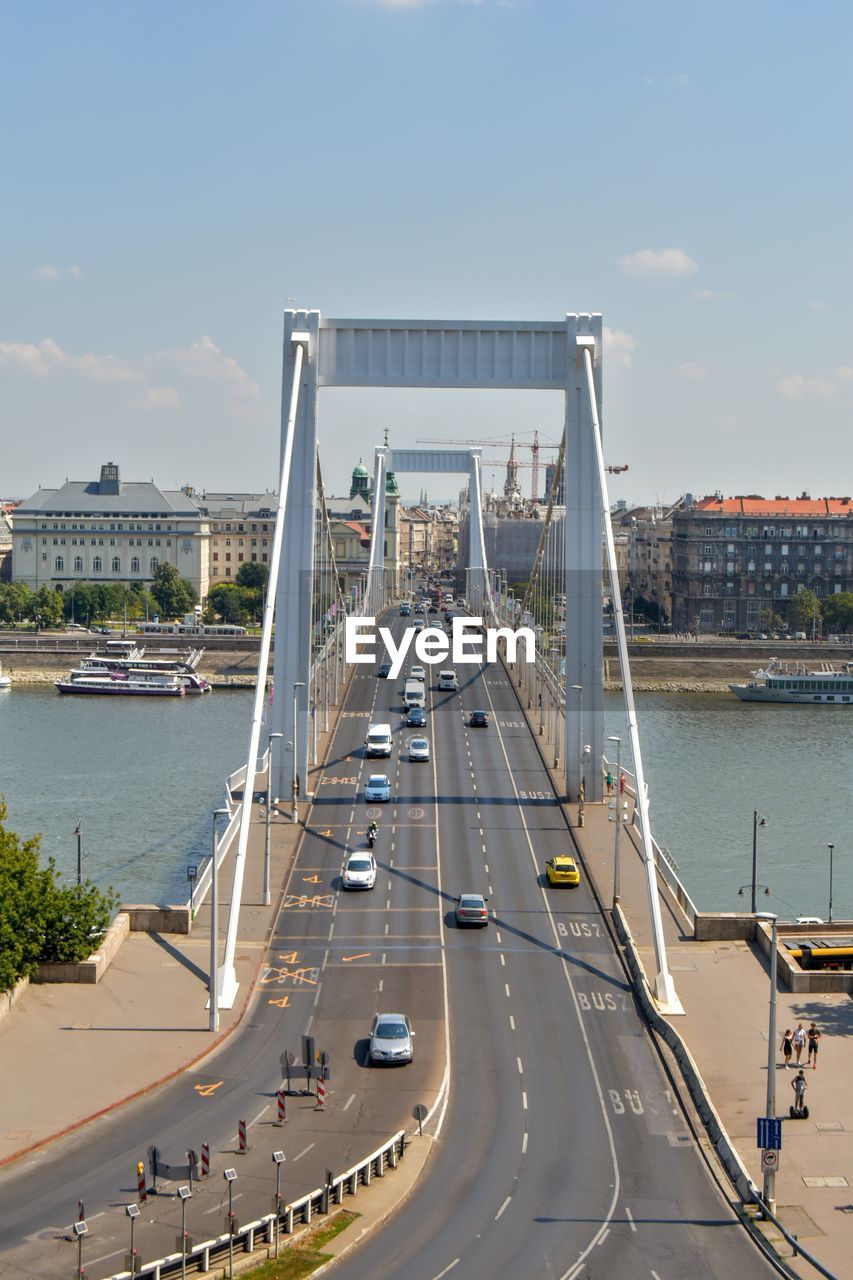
{"points": [[500, 440]]}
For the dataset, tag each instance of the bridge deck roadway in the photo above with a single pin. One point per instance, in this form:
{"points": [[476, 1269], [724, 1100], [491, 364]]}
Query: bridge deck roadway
{"points": [[560, 1135]]}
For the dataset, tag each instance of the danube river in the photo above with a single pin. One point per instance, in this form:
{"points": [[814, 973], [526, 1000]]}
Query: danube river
{"points": [[145, 775]]}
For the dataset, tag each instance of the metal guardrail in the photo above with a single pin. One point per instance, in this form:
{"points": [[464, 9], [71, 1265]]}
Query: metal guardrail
{"points": [[202, 1257]]}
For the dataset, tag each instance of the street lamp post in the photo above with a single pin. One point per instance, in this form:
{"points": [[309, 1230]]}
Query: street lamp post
{"points": [[757, 821], [230, 1176], [830, 847], [618, 818], [294, 785], [267, 827], [78, 831], [582, 786], [278, 1160], [213, 1024], [555, 697], [769, 1174], [132, 1211], [185, 1195]]}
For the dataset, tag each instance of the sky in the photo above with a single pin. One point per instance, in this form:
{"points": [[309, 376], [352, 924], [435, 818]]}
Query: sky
{"points": [[175, 176]]}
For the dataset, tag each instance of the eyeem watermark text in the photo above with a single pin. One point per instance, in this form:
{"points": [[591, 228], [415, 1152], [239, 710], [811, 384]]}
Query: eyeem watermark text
{"points": [[432, 645]]}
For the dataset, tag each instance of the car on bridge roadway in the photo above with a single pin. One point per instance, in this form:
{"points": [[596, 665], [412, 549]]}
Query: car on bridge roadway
{"points": [[378, 788], [471, 909], [419, 748], [383, 670], [417, 672], [405, 610], [391, 1038], [359, 871], [562, 869], [479, 720], [416, 719]]}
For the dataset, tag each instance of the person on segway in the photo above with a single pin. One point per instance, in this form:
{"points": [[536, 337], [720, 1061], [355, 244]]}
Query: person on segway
{"points": [[799, 1110]]}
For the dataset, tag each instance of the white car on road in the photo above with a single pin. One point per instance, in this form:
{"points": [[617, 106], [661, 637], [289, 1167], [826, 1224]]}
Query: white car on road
{"points": [[359, 871], [419, 748]]}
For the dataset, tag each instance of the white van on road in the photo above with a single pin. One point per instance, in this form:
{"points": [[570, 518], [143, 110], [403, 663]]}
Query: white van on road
{"points": [[413, 694], [378, 741]]}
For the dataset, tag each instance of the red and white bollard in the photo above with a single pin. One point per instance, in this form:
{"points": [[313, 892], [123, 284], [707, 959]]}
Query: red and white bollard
{"points": [[282, 1116], [141, 1189], [205, 1160], [321, 1095], [241, 1135]]}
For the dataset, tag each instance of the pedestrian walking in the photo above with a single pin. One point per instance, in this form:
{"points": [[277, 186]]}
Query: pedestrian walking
{"points": [[787, 1047], [799, 1041], [813, 1037], [798, 1084], [622, 781], [608, 782]]}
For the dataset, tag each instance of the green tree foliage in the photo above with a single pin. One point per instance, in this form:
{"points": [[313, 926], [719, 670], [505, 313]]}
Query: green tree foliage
{"points": [[231, 603], [46, 608], [838, 611], [15, 602], [174, 595], [803, 610], [40, 918], [252, 574]]}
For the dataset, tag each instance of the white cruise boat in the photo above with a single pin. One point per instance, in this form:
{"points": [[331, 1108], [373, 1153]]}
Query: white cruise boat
{"points": [[5, 681], [780, 682], [147, 684], [168, 662]]}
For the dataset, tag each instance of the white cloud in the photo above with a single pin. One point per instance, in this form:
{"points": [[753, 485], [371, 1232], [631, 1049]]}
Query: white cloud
{"points": [[161, 398], [689, 371], [618, 347], [659, 262], [47, 274], [46, 357], [844, 372], [205, 360], [798, 387], [816, 306]]}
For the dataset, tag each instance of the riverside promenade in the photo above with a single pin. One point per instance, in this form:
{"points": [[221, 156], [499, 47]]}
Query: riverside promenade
{"points": [[71, 1053]]}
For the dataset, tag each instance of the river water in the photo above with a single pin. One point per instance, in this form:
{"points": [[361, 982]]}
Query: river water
{"points": [[145, 775]]}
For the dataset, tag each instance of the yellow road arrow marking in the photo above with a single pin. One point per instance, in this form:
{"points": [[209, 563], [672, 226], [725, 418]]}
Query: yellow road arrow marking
{"points": [[311, 879], [361, 956], [289, 957], [207, 1090], [282, 1003]]}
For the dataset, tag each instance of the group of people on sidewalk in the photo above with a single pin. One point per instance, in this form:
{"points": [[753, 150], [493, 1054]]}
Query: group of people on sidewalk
{"points": [[793, 1042]]}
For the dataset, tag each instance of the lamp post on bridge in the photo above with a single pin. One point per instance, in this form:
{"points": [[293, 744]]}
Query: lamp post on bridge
{"points": [[294, 785], [769, 1174], [830, 847], [757, 821], [581, 770], [272, 737], [619, 807]]}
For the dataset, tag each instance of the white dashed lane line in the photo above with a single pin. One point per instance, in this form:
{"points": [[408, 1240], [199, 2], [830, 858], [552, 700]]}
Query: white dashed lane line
{"points": [[503, 1206]]}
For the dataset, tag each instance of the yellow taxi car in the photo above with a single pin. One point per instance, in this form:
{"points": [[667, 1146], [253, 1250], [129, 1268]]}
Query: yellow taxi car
{"points": [[562, 870]]}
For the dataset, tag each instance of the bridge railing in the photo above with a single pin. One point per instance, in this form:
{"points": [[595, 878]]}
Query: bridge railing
{"points": [[203, 1257]]}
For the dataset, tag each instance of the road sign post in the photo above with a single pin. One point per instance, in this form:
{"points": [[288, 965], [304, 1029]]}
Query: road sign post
{"points": [[770, 1160], [769, 1135]]}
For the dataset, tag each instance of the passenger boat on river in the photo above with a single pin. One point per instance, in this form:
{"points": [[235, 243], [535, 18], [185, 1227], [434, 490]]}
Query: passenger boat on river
{"points": [[146, 684], [783, 682]]}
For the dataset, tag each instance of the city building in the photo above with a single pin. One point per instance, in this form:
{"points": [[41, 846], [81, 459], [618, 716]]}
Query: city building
{"points": [[351, 521], [108, 530], [643, 543], [241, 528], [6, 509], [737, 562]]}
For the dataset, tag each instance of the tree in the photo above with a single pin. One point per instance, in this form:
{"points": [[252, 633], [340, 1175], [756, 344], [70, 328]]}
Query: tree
{"points": [[40, 918], [229, 602], [804, 611], [46, 607], [174, 595], [838, 611], [252, 574], [15, 598]]}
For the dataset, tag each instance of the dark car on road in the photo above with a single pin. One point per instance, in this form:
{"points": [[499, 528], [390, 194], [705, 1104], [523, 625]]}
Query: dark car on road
{"points": [[416, 719], [383, 670], [479, 720]]}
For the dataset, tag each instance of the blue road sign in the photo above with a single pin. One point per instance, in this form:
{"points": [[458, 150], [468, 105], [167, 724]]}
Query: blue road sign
{"points": [[769, 1133]]}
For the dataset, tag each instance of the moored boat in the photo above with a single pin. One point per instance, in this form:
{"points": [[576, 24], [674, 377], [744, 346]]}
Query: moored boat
{"points": [[121, 683], [782, 682], [5, 681], [168, 662]]}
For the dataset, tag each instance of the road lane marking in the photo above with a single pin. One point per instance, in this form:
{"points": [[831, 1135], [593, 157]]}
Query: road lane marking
{"points": [[524, 1099], [503, 1206], [207, 1090], [91, 1262], [217, 1208], [262, 1112], [503, 958], [348, 1102], [520, 1067], [629, 1215], [303, 1153], [506, 989], [512, 1022], [524, 1144], [498, 936], [486, 867], [446, 1269], [362, 955], [604, 1236]]}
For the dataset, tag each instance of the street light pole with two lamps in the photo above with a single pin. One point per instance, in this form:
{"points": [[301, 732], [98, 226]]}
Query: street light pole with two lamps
{"points": [[770, 1111]]}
